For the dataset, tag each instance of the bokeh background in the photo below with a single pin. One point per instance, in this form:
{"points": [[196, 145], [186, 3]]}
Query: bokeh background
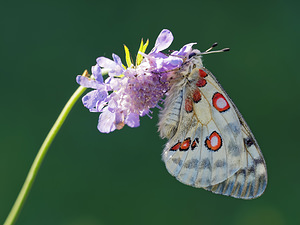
{"points": [[89, 178]]}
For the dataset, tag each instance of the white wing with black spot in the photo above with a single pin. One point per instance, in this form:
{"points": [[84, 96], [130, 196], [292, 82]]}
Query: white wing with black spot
{"points": [[209, 142]]}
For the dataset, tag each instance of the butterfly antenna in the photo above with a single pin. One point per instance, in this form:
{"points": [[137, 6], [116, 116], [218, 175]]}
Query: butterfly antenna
{"points": [[212, 46], [208, 51]]}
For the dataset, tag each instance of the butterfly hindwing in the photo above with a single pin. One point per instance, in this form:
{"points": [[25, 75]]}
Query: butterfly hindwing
{"points": [[251, 180]]}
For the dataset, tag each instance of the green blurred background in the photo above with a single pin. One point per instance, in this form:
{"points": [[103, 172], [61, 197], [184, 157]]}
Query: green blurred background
{"points": [[89, 178]]}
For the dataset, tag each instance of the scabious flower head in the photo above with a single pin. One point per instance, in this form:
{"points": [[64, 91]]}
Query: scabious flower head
{"points": [[130, 92]]}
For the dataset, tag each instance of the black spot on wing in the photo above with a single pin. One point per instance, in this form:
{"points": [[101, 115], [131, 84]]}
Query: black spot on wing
{"points": [[177, 161], [248, 141], [205, 164], [251, 170], [258, 161], [220, 163], [234, 128], [233, 148], [191, 164]]}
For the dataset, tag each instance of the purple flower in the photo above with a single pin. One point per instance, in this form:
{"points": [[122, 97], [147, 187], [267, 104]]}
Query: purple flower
{"points": [[128, 93]]}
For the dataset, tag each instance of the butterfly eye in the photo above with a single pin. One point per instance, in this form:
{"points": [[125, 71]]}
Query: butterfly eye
{"points": [[192, 54]]}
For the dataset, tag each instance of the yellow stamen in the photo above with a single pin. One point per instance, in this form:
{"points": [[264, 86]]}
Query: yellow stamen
{"points": [[142, 49], [139, 57], [127, 56], [145, 45]]}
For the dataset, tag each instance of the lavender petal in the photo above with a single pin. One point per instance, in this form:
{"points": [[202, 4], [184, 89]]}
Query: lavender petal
{"points": [[88, 82], [96, 71], [163, 41], [90, 99], [133, 120], [106, 123], [185, 50]]}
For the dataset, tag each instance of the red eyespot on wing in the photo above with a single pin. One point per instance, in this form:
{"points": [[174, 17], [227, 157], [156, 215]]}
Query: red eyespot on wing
{"points": [[201, 82], [188, 105], [176, 146], [214, 141], [220, 102], [202, 73], [185, 144], [196, 95]]}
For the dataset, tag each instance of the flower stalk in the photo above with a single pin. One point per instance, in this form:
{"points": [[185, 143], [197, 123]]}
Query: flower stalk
{"points": [[15, 211]]}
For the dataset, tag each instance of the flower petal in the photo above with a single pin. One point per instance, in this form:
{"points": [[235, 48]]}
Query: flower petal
{"points": [[117, 59], [96, 71], [106, 63], [106, 123], [90, 99], [99, 106], [115, 83], [185, 50], [133, 120], [114, 67], [88, 82], [163, 41], [172, 62], [112, 105]]}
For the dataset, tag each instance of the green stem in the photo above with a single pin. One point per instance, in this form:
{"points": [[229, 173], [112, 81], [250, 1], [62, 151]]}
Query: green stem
{"points": [[15, 211]]}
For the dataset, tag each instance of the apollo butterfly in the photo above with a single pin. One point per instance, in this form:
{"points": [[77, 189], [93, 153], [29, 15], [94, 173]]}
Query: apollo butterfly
{"points": [[210, 145]]}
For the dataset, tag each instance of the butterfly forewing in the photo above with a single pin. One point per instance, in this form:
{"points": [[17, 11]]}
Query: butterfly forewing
{"points": [[210, 144]]}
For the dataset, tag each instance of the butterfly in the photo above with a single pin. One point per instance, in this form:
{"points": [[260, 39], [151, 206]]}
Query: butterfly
{"points": [[210, 145]]}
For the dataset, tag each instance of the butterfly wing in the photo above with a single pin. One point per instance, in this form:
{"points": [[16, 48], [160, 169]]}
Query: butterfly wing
{"points": [[207, 138], [207, 146], [251, 180]]}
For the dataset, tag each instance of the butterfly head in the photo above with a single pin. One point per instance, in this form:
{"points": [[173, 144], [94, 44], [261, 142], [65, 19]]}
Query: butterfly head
{"points": [[193, 60], [196, 53]]}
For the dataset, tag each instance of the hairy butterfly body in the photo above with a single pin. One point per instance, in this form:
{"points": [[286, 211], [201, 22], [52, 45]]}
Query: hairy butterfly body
{"points": [[210, 145]]}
